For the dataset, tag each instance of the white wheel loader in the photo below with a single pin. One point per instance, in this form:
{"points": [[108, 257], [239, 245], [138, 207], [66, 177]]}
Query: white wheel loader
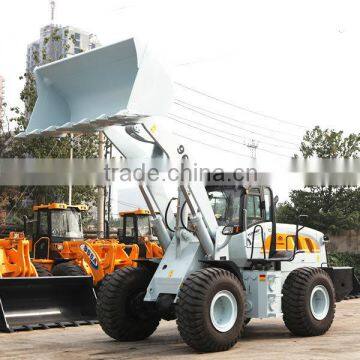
{"points": [[226, 259]]}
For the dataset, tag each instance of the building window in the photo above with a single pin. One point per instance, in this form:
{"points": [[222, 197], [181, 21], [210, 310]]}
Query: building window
{"points": [[77, 36], [78, 51]]}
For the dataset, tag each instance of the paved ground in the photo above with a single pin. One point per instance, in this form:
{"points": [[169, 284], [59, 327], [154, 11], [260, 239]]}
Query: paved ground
{"points": [[264, 339]]}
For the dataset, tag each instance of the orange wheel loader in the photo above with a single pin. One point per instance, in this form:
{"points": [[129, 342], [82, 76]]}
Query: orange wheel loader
{"points": [[30, 297], [59, 245]]}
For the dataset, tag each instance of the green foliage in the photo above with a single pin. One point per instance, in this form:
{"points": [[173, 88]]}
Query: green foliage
{"points": [[329, 144], [345, 259], [330, 209]]}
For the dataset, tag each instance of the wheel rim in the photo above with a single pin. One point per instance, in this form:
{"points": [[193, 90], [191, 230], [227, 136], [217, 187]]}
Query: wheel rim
{"points": [[223, 311], [319, 302]]}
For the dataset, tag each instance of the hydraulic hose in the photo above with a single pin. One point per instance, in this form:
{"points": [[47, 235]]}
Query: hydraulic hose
{"points": [[166, 214]]}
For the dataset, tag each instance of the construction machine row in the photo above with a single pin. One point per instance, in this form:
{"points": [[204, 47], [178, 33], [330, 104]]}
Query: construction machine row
{"points": [[56, 249]]}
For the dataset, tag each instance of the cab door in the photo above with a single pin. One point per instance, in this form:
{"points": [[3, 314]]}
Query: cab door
{"points": [[258, 205], [41, 241], [130, 233]]}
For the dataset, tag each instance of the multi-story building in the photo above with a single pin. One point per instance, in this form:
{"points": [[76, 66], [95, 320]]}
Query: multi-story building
{"points": [[2, 100], [57, 42]]}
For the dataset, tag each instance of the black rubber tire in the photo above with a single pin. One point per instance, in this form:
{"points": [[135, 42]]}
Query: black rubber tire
{"points": [[117, 316], [296, 302], [42, 271], [68, 269], [193, 310]]}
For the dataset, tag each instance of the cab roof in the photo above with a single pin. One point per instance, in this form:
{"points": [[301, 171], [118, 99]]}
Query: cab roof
{"points": [[135, 212], [60, 206]]}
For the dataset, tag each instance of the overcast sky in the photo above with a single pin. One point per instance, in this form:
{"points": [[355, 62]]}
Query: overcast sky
{"points": [[297, 61]]}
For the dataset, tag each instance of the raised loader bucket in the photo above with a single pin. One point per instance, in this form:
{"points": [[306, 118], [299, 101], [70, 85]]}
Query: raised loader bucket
{"points": [[114, 84], [40, 303]]}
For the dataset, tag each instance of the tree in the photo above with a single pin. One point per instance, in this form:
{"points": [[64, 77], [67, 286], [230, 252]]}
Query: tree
{"points": [[43, 147], [329, 144], [329, 208]]}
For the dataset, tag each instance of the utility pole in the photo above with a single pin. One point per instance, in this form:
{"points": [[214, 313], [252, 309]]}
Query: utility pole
{"points": [[101, 191], [253, 145], [71, 157], [52, 10], [108, 154]]}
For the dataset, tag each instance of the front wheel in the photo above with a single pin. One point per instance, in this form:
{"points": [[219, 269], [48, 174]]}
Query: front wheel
{"points": [[308, 302], [210, 310], [42, 271], [121, 311], [68, 269]]}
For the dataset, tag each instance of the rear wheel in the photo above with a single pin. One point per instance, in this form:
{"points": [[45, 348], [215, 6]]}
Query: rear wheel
{"points": [[210, 310], [42, 271], [68, 269], [121, 311], [308, 302]]}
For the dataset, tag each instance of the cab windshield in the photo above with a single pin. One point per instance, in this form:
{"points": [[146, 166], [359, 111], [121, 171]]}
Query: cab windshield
{"points": [[225, 203], [66, 224], [144, 228]]}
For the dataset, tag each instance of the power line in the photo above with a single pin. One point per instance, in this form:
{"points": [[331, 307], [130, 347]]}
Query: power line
{"points": [[238, 106], [128, 204], [224, 131], [241, 128], [210, 145], [232, 118], [226, 138]]}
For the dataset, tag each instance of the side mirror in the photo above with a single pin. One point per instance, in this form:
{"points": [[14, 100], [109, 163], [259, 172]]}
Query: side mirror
{"points": [[276, 200], [326, 239], [230, 230]]}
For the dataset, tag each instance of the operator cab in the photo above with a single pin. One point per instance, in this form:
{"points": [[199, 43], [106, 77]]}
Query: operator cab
{"points": [[55, 223], [241, 209], [135, 227]]}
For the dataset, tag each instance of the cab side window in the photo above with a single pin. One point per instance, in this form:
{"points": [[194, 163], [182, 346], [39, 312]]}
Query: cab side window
{"points": [[267, 199], [130, 229], [253, 208], [43, 223]]}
